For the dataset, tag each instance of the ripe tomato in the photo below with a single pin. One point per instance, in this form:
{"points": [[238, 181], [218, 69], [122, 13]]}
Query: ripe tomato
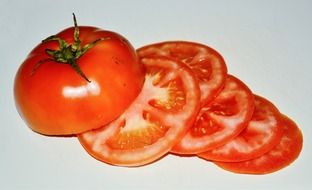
{"points": [[283, 154], [155, 121], [263, 132], [220, 121], [207, 64], [77, 80]]}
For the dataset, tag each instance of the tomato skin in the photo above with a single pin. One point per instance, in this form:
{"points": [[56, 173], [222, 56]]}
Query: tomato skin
{"points": [[55, 100]]}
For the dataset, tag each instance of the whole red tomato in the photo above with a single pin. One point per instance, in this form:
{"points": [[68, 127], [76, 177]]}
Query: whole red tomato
{"points": [[77, 80]]}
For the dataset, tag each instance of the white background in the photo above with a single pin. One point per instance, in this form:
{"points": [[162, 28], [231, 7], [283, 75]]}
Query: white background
{"points": [[267, 44]]}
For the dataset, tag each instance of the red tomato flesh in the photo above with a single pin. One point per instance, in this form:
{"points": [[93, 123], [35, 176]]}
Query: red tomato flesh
{"points": [[283, 154], [263, 132], [220, 121], [155, 121], [207, 64]]}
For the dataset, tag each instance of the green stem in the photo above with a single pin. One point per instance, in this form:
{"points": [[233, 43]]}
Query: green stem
{"points": [[68, 53]]}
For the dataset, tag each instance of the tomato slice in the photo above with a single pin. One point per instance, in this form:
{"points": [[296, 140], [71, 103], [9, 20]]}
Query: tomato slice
{"points": [[220, 121], [277, 158], [263, 132], [158, 118], [207, 64]]}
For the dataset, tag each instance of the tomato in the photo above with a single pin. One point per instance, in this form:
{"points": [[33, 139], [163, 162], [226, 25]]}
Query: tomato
{"points": [[220, 121], [283, 154], [263, 132], [78, 80], [157, 119], [207, 64]]}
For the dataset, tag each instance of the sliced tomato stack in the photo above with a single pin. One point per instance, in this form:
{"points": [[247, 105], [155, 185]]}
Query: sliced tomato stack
{"points": [[191, 106]]}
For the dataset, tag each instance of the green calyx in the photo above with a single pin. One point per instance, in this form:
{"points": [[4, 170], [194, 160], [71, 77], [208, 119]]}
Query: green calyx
{"points": [[68, 53]]}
